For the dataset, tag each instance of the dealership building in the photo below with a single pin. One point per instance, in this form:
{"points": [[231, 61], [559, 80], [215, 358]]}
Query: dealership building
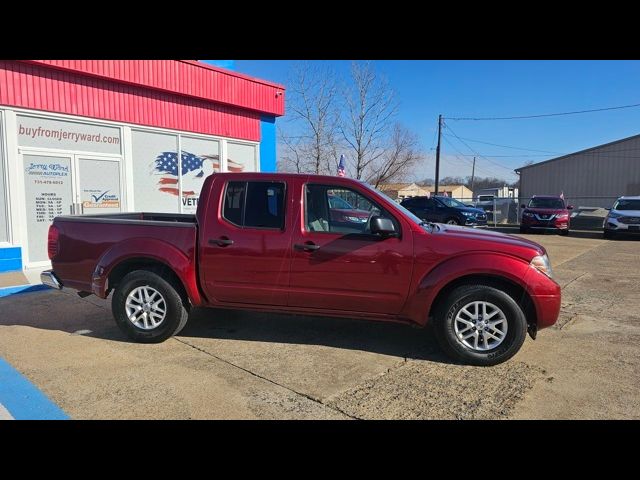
{"points": [[594, 177], [79, 136]]}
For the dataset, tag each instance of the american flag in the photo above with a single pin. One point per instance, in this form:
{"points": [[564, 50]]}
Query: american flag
{"points": [[341, 166], [167, 165]]}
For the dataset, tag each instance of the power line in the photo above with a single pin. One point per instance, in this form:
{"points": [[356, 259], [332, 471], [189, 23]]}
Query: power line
{"points": [[520, 117], [508, 146], [468, 162], [477, 154]]}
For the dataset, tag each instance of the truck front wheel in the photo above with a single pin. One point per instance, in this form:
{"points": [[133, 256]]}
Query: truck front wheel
{"points": [[480, 325], [147, 308]]}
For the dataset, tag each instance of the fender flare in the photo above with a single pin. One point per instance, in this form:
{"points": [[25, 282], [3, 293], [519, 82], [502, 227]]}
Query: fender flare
{"points": [[147, 248], [493, 264]]}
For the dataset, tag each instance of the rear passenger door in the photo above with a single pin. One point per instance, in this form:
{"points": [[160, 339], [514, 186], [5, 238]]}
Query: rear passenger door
{"points": [[246, 252]]}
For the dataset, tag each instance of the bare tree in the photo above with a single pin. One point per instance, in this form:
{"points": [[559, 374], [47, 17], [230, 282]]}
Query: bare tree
{"points": [[313, 110], [399, 159], [370, 106]]}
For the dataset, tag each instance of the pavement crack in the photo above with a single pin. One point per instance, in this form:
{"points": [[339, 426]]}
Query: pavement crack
{"points": [[575, 279], [309, 397]]}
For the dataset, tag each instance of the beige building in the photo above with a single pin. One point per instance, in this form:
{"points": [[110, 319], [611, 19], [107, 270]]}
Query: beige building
{"points": [[401, 191]]}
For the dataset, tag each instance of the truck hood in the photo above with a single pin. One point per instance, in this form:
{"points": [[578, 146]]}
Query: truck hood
{"points": [[488, 240]]}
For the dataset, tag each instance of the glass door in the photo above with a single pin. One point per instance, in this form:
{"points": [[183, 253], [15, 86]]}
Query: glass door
{"points": [[98, 185], [48, 189]]}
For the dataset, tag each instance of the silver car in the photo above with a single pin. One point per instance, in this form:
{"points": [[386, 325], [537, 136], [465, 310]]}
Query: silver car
{"points": [[623, 217]]}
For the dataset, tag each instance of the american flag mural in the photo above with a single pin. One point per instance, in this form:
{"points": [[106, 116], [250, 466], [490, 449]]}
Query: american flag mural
{"points": [[194, 170]]}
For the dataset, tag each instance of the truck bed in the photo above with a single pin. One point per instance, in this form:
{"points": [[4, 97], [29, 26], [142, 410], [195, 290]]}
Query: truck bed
{"points": [[133, 217], [91, 240]]}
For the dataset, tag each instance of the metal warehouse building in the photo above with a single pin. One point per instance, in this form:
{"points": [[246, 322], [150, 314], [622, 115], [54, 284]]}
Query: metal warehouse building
{"points": [[79, 136], [594, 177]]}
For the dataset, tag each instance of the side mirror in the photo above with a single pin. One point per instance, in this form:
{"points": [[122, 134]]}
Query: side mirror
{"points": [[608, 209], [569, 207], [382, 226]]}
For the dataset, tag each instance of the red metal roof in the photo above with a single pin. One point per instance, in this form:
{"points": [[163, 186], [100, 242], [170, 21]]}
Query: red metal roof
{"points": [[182, 95]]}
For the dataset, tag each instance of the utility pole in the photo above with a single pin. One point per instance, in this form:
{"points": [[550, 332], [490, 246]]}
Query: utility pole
{"points": [[438, 153], [473, 175]]}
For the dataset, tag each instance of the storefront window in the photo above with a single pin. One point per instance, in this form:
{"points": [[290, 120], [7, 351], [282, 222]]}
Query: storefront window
{"points": [[200, 158], [241, 157]]}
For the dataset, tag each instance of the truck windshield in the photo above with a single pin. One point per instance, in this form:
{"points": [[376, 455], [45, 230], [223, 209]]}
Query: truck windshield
{"points": [[556, 203], [625, 204]]}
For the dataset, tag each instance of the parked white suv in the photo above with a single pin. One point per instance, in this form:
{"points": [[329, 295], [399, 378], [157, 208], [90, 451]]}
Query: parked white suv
{"points": [[623, 217]]}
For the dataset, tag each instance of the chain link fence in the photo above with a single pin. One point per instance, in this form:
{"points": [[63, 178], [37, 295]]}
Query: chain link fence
{"points": [[588, 212]]}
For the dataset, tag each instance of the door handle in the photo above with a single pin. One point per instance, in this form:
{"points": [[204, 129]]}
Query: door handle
{"points": [[307, 247], [221, 242]]}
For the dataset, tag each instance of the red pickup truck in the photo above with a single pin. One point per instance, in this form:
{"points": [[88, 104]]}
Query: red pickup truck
{"points": [[271, 242]]}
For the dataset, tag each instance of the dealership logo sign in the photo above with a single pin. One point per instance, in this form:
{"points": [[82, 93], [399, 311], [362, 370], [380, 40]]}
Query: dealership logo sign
{"points": [[47, 169]]}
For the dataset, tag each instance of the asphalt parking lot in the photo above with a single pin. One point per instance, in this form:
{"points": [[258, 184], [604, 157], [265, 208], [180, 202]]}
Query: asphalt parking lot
{"points": [[228, 364]]}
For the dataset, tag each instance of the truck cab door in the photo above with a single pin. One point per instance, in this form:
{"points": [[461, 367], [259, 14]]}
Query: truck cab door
{"points": [[341, 265], [245, 243]]}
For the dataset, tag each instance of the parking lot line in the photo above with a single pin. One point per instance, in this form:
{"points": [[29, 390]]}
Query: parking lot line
{"points": [[21, 400], [4, 414]]}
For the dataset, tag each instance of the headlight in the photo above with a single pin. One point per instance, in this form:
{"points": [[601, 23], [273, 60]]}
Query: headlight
{"points": [[527, 214], [615, 215], [541, 263], [468, 214]]}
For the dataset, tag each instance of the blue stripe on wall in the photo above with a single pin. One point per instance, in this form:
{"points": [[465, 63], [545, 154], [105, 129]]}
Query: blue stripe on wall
{"points": [[23, 400], [268, 144]]}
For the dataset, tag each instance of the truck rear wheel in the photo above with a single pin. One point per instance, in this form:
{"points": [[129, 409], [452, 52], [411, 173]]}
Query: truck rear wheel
{"points": [[480, 325], [147, 308]]}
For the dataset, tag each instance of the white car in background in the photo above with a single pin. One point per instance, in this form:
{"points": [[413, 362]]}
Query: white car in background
{"points": [[623, 217]]}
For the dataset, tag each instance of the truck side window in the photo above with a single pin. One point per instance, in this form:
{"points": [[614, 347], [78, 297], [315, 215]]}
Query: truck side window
{"points": [[234, 202], [255, 204], [339, 210], [265, 205]]}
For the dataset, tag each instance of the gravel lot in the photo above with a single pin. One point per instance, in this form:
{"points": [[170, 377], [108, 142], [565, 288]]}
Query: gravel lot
{"points": [[228, 364]]}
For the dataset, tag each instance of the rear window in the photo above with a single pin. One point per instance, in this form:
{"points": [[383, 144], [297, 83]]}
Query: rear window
{"points": [[255, 204]]}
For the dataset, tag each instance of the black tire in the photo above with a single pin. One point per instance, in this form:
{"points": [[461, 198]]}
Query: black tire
{"points": [[461, 296], [453, 221], [564, 233], [609, 235], [176, 312], [524, 229]]}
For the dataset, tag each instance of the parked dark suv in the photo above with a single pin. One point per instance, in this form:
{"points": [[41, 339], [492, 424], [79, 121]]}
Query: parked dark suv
{"points": [[445, 210]]}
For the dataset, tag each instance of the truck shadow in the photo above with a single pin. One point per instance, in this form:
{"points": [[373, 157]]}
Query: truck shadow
{"points": [[383, 338], [91, 317]]}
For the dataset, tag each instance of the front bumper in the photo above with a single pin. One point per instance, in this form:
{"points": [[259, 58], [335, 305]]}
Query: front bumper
{"points": [[50, 279], [544, 225], [474, 222], [613, 225]]}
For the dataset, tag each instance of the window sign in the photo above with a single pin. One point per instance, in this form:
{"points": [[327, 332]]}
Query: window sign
{"points": [[48, 193], [155, 171], [200, 158], [65, 135]]}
